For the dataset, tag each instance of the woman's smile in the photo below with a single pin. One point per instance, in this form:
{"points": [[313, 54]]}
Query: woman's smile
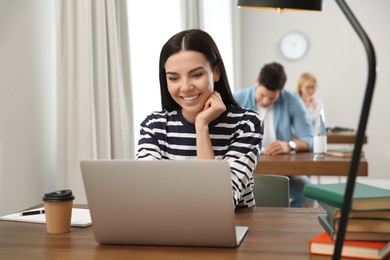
{"points": [[191, 98]]}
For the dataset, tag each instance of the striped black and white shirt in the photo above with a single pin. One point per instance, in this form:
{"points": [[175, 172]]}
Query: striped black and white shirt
{"points": [[236, 137]]}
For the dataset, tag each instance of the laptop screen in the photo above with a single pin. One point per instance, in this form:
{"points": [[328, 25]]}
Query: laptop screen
{"points": [[185, 203]]}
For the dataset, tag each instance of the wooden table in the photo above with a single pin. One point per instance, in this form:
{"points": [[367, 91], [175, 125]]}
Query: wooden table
{"points": [[304, 164], [274, 233]]}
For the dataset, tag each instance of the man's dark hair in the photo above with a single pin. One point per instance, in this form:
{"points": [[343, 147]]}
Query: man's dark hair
{"points": [[272, 76]]}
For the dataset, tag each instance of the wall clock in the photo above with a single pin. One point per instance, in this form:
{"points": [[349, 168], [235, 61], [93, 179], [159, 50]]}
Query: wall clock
{"points": [[294, 45]]}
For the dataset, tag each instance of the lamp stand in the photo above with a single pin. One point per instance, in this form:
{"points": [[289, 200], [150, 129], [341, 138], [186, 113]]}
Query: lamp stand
{"points": [[361, 127]]}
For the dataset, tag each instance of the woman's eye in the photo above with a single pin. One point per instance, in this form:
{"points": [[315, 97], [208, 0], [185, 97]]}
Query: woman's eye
{"points": [[172, 78], [198, 75]]}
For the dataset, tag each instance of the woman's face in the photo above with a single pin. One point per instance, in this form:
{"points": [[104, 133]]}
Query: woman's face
{"points": [[190, 80], [308, 88]]}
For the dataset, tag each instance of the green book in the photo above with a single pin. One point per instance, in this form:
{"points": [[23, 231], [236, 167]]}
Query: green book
{"points": [[365, 197]]}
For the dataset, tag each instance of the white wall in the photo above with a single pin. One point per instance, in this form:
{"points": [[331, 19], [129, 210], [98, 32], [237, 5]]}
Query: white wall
{"points": [[27, 108], [336, 56]]}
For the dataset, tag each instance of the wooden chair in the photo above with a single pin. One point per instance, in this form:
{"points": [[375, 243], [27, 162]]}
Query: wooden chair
{"points": [[271, 190]]}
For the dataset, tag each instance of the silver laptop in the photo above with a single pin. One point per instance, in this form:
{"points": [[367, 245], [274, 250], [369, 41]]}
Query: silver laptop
{"points": [[161, 202]]}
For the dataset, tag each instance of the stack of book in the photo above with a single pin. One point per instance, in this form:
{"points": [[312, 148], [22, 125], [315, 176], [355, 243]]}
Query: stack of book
{"points": [[367, 233], [346, 153]]}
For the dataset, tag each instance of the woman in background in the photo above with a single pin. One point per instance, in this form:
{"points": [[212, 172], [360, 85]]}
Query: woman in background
{"points": [[200, 119], [306, 88]]}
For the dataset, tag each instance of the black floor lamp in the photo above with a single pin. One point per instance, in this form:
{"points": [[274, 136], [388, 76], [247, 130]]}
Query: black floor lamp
{"points": [[316, 5]]}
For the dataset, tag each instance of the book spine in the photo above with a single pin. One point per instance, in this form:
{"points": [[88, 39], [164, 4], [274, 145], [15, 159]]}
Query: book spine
{"points": [[314, 192], [326, 225], [328, 208]]}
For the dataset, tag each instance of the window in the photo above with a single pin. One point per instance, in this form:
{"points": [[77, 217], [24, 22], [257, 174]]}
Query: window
{"points": [[151, 23]]}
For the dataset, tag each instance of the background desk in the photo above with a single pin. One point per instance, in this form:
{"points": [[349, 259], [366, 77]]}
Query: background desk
{"points": [[304, 164], [343, 138], [274, 233]]}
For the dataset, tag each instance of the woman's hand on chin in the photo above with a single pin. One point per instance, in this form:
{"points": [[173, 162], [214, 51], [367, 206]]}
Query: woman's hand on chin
{"points": [[212, 109]]}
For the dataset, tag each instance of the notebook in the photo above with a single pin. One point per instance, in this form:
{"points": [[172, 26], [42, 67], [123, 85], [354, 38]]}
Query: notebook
{"points": [[161, 202], [80, 217]]}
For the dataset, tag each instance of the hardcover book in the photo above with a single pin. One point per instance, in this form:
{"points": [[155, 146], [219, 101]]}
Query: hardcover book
{"points": [[351, 235], [335, 213], [347, 153], [365, 225], [323, 244], [365, 197]]}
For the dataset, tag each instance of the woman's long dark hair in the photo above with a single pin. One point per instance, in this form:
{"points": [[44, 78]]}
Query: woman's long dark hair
{"points": [[199, 41]]}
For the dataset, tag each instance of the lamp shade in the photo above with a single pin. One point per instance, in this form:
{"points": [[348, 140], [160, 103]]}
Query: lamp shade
{"points": [[308, 5]]}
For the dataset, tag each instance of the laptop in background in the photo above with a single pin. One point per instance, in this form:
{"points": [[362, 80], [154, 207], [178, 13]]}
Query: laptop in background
{"points": [[161, 202]]}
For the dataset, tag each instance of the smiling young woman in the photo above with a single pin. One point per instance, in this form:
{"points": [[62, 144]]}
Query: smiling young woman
{"points": [[200, 119]]}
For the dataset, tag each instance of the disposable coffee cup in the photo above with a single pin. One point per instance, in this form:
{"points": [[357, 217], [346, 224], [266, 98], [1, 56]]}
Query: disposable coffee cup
{"points": [[58, 210]]}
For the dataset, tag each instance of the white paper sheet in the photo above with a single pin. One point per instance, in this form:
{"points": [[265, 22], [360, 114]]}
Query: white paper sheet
{"points": [[80, 217]]}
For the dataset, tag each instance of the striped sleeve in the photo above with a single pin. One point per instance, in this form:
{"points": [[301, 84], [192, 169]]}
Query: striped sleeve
{"points": [[243, 154]]}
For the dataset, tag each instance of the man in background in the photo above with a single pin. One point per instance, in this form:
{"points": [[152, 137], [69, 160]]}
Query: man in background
{"points": [[286, 124]]}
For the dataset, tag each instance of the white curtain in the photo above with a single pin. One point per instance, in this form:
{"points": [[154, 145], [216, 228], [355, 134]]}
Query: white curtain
{"points": [[94, 95], [191, 14]]}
